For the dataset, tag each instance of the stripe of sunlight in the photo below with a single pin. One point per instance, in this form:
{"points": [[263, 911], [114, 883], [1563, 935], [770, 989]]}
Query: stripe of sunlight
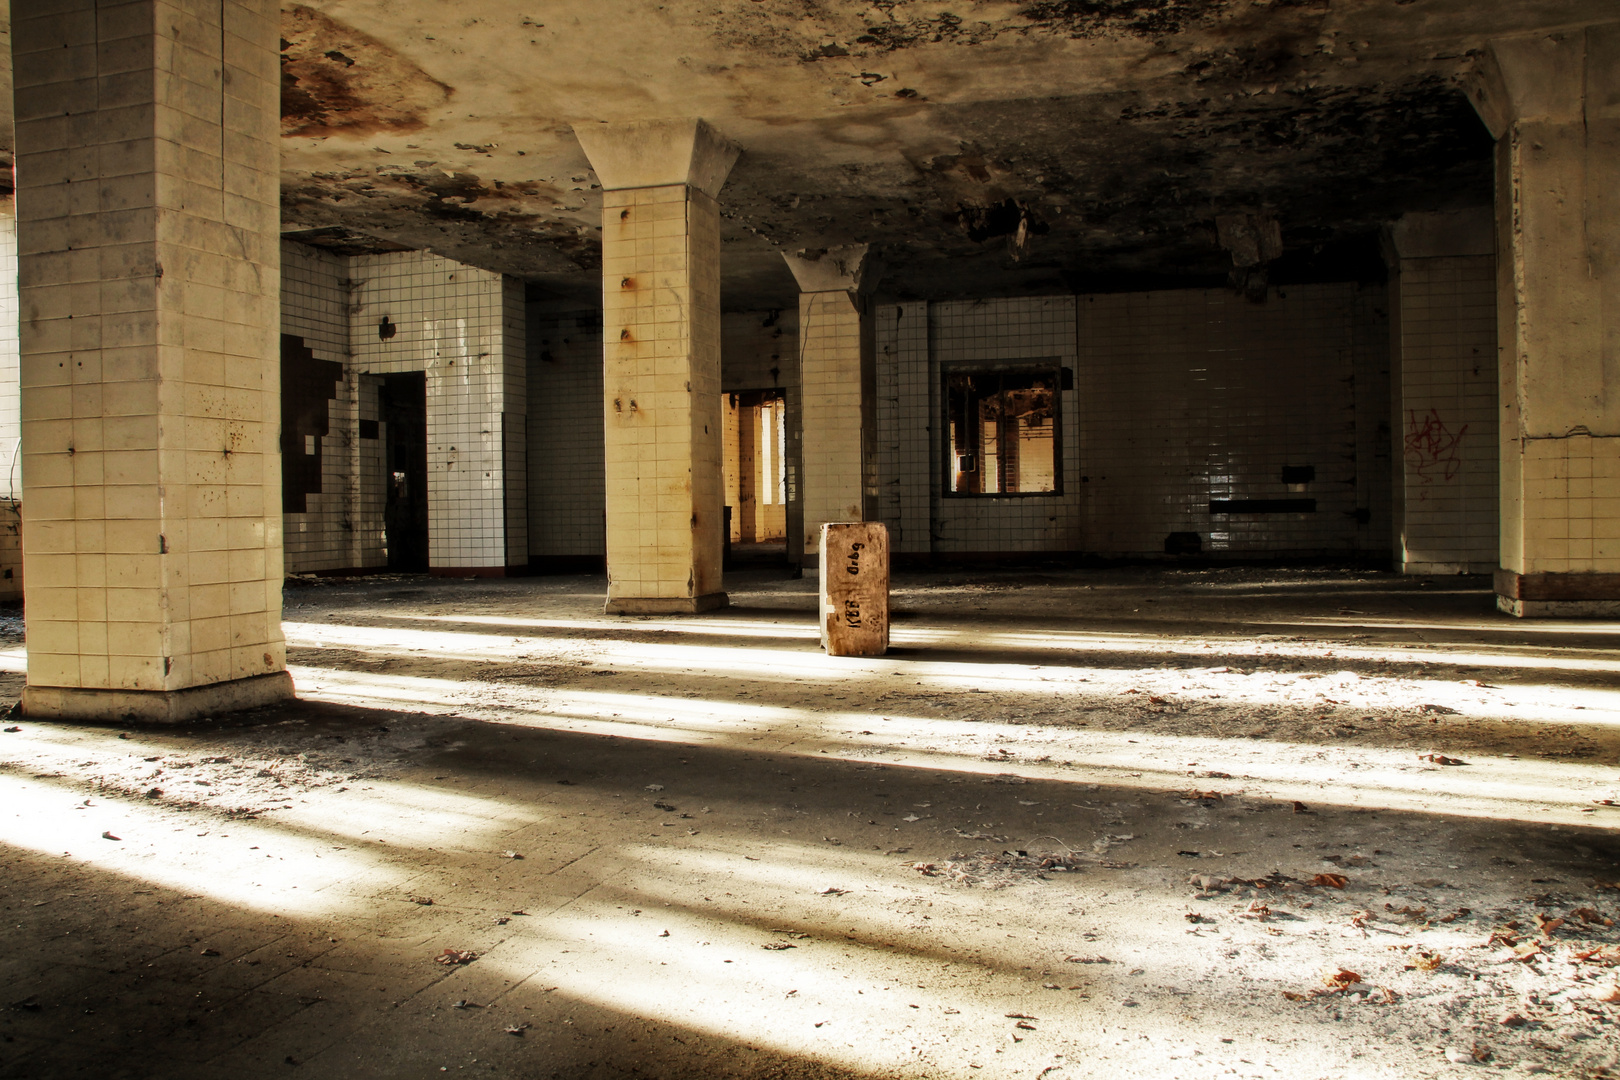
{"points": [[710, 973], [404, 813], [14, 660], [722, 627], [668, 940], [775, 665], [1530, 790], [289, 873], [807, 663]]}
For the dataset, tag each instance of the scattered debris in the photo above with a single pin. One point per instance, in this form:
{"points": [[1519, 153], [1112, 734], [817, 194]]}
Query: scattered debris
{"points": [[451, 957], [1328, 881], [510, 855], [1441, 759], [110, 836]]}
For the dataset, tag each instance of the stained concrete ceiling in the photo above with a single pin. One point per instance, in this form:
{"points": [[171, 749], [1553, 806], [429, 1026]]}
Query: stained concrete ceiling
{"points": [[983, 147]]}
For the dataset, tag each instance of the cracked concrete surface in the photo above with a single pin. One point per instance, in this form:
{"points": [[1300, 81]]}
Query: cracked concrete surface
{"points": [[1077, 823]]}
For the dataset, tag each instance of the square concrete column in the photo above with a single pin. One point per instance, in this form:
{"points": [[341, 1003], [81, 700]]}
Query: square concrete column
{"points": [[661, 361], [1443, 286], [148, 203], [1548, 100], [838, 379]]}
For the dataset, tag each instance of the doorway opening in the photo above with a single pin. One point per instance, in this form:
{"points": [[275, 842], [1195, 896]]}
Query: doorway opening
{"points": [[402, 405], [756, 473]]}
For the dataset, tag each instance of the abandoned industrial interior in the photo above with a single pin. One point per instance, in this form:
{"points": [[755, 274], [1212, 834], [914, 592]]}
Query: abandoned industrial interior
{"points": [[1042, 539]]}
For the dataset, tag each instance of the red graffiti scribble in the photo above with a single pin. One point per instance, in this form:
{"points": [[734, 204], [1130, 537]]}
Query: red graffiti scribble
{"points": [[1429, 446]]}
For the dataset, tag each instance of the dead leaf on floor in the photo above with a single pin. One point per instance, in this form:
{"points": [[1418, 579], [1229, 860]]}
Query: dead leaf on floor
{"points": [[654, 787], [1256, 910], [1088, 960], [1198, 796], [209, 952], [1591, 915], [1328, 881], [1426, 961], [1021, 1016], [1527, 951], [1158, 701], [1360, 919], [13, 729], [1609, 995], [1383, 996], [110, 836], [1546, 925], [1292, 996], [455, 956], [1438, 710], [1441, 759], [777, 946], [1472, 1056], [1607, 955], [516, 1029], [1340, 979], [1026, 1025], [425, 901], [1301, 808], [1454, 916], [1512, 1019], [510, 855], [831, 890]]}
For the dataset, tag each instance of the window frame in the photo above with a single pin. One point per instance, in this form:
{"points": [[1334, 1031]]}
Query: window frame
{"points": [[1051, 365]]}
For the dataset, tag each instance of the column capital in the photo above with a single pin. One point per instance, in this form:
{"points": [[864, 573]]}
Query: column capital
{"points": [[658, 153], [849, 268], [1558, 78]]}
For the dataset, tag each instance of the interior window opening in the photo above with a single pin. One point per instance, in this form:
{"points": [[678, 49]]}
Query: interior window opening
{"points": [[1002, 430]]}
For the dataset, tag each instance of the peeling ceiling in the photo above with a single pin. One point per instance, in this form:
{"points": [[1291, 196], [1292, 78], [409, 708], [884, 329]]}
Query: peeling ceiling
{"points": [[982, 147]]}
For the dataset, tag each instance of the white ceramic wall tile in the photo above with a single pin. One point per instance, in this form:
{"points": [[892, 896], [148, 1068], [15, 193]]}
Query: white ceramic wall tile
{"points": [[1180, 398], [1447, 428], [466, 329]]}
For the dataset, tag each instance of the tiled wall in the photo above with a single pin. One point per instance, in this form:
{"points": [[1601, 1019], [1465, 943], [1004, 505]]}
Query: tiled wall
{"points": [[1571, 502], [465, 328], [1448, 424], [332, 534], [565, 479], [1180, 398], [10, 413]]}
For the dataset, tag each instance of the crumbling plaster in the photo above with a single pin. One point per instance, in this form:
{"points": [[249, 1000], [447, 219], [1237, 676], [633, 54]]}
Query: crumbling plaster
{"points": [[1108, 134]]}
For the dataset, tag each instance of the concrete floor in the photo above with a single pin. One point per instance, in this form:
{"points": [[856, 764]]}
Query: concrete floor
{"points": [[1079, 823]]}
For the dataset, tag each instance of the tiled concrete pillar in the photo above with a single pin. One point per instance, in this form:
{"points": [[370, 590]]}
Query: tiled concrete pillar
{"points": [[1548, 99], [11, 575], [661, 360], [838, 373], [1445, 430], [147, 169]]}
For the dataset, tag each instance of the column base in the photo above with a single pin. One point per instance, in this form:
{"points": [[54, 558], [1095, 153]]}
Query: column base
{"points": [[155, 706], [1554, 596], [665, 605]]}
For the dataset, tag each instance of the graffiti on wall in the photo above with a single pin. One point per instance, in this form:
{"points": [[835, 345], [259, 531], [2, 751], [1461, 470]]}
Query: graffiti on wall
{"points": [[1433, 451]]}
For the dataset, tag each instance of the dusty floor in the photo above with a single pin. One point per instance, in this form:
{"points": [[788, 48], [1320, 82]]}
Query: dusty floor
{"points": [[1078, 824]]}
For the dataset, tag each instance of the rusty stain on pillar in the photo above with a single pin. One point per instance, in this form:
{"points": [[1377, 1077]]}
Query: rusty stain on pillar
{"points": [[855, 588]]}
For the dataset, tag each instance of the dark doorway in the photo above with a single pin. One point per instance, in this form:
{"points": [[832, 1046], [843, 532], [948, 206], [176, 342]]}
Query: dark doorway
{"points": [[402, 401]]}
